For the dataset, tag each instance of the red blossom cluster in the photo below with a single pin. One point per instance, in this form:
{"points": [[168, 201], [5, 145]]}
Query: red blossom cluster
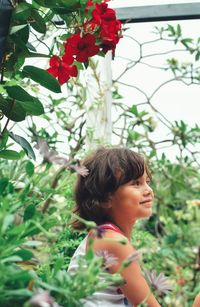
{"points": [[100, 32]]}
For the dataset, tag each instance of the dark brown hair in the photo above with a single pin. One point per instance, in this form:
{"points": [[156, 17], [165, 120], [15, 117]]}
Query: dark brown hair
{"points": [[108, 169]]}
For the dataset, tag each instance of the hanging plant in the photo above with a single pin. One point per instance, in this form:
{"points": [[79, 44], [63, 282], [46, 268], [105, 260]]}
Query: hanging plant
{"points": [[96, 32], [91, 28]]}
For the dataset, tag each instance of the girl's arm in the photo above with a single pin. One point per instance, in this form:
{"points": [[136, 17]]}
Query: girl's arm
{"points": [[136, 288]]}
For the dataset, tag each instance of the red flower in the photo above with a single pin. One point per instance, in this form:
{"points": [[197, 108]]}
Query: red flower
{"points": [[103, 13], [81, 47], [111, 30], [62, 68], [110, 34], [89, 3], [108, 45]]}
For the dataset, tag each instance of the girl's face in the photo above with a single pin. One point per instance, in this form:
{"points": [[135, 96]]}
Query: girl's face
{"points": [[132, 201]]}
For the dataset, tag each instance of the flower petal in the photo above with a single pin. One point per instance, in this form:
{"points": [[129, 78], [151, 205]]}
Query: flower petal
{"points": [[67, 58], [54, 61], [53, 71]]}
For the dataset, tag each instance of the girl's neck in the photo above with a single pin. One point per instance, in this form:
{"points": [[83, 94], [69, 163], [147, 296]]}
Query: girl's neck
{"points": [[125, 229]]}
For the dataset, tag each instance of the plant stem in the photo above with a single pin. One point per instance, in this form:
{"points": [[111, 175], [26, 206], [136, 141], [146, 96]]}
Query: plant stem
{"points": [[4, 129], [2, 71]]}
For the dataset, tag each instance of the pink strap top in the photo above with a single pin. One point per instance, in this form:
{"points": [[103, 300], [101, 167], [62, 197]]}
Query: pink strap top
{"points": [[110, 226], [106, 226]]}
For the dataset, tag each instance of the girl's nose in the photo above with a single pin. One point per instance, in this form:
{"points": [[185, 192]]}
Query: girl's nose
{"points": [[148, 190]]}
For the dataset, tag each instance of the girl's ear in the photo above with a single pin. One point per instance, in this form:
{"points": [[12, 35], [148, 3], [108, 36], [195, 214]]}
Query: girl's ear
{"points": [[107, 204]]}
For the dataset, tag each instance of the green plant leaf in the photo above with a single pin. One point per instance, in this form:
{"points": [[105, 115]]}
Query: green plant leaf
{"points": [[21, 37], [42, 77], [39, 25], [83, 2], [197, 56], [12, 259], [4, 139], [45, 3], [24, 144], [15, 29], [12, 109], [29, 168], [134, 110], [71, 4], [29, 212], [7, 221], [3, 184], [10, 154], [31, 47], [22, 11], [24, 254], [30, 104]]}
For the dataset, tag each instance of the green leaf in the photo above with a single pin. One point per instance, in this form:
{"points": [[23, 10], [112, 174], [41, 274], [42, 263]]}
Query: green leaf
{"points": [[4, 139], [186, 41], [89, 255], [3, 184], [29, 212], [134, 110], [21, 37], [172, 30], [197, 56], [65, 36], [22, 11], [133, 135], [31, 47], [39, 25], [29, 168], [83, 3], [12, 259], [30, 104], [24, 254], [8, 220], [58, 265], [44, 3], [42, 77], [15, 29], [79, 65], [178, 30], [24, 144], [71, 3], [10, 155], [12, 109]]}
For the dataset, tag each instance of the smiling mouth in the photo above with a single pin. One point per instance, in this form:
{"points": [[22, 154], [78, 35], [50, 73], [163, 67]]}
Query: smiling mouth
{"points": [[147, 203]]}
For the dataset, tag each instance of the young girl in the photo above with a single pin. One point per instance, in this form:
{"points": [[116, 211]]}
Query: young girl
{"points": [[115, 194]]}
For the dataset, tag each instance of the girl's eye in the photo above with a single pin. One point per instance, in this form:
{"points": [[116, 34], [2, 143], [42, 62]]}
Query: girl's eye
{"points": [[136, 182], [148, 182]]}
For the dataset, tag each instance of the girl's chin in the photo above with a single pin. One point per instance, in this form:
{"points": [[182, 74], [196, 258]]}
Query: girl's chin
{"points": [[146, 213]]}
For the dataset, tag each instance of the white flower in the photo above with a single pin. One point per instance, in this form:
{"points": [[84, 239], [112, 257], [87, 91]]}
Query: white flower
{"points": [[42, 299], [109, 259], [159, 282], [81, 170]]}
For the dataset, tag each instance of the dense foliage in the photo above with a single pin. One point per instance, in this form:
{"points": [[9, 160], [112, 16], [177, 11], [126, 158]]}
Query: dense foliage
{"points": [[36, 199], [36, 245]]}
